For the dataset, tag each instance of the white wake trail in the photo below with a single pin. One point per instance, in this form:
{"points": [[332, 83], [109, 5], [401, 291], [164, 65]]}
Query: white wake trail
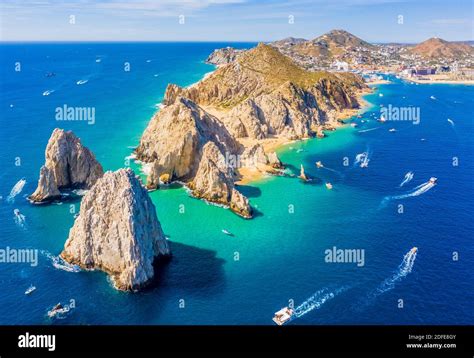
{"points": [[408, 177], [17, 188], [317, 300], [19, 218], [420, 189], [403, 270]]}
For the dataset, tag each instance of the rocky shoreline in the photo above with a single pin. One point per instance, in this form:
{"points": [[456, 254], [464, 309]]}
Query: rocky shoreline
{"points": [[212, 134], [208, 136]]}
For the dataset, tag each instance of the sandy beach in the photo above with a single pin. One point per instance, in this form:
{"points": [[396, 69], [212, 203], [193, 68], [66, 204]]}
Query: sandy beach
{"points": [[248, 175]]}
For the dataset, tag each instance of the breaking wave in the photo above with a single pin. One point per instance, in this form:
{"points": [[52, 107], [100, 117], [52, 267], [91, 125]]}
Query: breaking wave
{"points": [[60, 264]]}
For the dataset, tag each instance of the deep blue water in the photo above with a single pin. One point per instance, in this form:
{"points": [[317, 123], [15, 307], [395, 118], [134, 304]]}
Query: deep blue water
{"points": [[281, 251]]}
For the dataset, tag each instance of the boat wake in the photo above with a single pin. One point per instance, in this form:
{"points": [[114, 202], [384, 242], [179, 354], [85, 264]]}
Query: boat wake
{"points": [[19, 218], [362, 159], [389, 283], [81, 82], [48, 92], [420, 189], [408, 177], [60, 264], [368, 130], [317, 300], [17, 188], [404, 269]]}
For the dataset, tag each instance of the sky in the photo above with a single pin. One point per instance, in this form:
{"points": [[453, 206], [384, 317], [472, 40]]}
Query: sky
{"points": [[406, 21]]}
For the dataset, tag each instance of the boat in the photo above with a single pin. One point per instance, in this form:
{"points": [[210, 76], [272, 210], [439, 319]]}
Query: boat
{"points": [[329, 186], [58, 309], [414, 250], [433, 180], [98, 60], [227, 232], [319, 164], [382, 119], [432, 97], [282, 316], [30, 290], [392, 130], [47, 93], [81, 82], [353, 125]]}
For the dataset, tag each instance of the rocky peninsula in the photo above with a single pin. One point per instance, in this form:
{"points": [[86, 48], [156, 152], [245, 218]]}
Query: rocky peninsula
{"points": [[117, 231], [68, 165], [225, 127]]}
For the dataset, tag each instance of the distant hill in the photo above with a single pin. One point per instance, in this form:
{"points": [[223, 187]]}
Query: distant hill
{"points": [[332, 44], [438, 48], [289, 41]]}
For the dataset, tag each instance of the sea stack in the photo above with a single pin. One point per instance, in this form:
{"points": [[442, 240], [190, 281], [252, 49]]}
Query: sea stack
{"points": [[68, 165], [117, 231], [302, 175], [185, 143]]}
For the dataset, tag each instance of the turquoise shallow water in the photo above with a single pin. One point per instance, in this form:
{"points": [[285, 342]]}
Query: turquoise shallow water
{"points": [[281, 251]]}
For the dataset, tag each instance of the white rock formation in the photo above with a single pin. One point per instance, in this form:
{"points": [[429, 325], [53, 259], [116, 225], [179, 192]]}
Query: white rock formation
{"points": [[68, 165], [117, 231]]}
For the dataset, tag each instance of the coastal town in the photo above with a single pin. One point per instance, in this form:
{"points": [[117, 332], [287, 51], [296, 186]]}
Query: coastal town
{"points": [[434, 60]]}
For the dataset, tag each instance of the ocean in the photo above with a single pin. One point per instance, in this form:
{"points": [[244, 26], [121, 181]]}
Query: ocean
{"points": [[277, 259]]}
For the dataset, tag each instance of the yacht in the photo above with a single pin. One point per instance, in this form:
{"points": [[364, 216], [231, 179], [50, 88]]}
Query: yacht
{"points": [[227, 232], [433, 180], [329, 186], [30, 290], [283, 316], [319, 164]]}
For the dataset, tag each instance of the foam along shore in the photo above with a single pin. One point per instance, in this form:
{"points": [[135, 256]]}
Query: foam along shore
{"points": [[245, 109], [438, 79]]}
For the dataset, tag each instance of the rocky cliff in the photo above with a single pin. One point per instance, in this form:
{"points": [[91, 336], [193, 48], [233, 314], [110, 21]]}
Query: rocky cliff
{"points": [[207, 133], [264, 93], [223, 56], [68, 165], [117, 231], [186, 143]]}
